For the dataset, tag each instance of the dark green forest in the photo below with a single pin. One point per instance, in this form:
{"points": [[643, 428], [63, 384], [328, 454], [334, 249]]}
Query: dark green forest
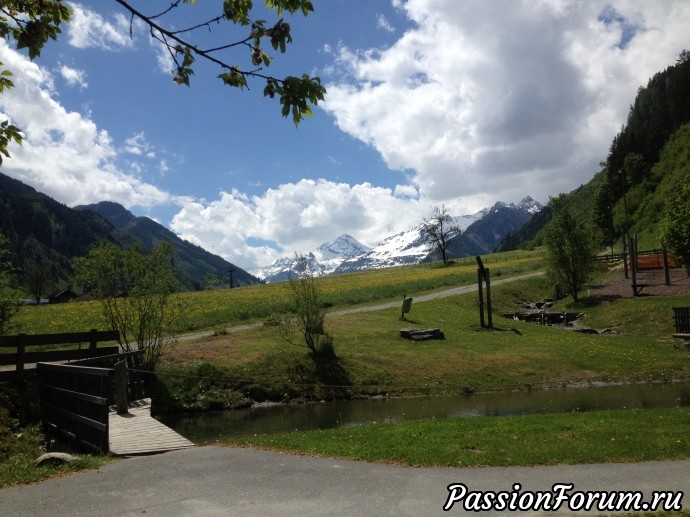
{"points": [[44, 236], [647, 158]]}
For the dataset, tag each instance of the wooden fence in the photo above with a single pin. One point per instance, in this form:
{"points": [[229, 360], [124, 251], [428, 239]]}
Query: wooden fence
{"points": [[76, 397], [21, 356], [651, 259]]}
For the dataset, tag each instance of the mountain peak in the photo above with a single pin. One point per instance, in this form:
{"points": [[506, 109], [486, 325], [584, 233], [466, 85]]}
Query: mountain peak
{"points": [[114, 213], [530, 205]]}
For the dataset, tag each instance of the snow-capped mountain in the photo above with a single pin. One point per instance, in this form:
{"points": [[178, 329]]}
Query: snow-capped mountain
{"points": [[324, 260], [404, 248], [479, 233]]}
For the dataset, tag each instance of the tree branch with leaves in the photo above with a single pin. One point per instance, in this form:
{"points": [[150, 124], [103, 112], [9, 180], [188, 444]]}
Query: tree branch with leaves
{"points": [[32, 24]]}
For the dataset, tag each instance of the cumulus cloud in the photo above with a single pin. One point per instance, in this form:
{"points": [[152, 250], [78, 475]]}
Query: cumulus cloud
{"points": [[88, 29], [496, 99], [64, 154], [294, 218], [74, 77]]}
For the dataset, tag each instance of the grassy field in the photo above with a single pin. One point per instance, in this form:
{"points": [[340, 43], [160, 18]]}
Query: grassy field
{"points": [[223, 308], [596, 437], [232, 369]]}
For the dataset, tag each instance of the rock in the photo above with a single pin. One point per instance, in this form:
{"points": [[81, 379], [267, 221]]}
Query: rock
{"points": [[54, 458], [422, 334]]}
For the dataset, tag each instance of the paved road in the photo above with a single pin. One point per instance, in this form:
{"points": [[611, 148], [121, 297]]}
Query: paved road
{"points": [[212, 481]]}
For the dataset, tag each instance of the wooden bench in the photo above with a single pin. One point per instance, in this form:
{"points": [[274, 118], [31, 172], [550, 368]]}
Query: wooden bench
{"points": [[22, 357], [681, 322]]}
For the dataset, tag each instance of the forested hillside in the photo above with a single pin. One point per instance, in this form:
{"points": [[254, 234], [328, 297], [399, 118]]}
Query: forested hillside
{"points": [[646, 159], [45, 236]]}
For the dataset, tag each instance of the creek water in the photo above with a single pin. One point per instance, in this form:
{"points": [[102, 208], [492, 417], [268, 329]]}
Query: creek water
{"points": [[209, 427]]}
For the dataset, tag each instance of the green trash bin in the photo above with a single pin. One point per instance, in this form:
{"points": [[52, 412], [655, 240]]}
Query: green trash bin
{"points": [[406, 306]]}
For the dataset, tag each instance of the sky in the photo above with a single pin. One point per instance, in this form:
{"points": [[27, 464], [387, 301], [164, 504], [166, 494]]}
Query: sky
{"points": [[460, 103]]}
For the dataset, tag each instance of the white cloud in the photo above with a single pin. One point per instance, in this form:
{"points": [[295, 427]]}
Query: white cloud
{"points": [[383, 23], [74, 77], [64, 154], [297, 217], [139, 146], [486, 105], [88, 29]]}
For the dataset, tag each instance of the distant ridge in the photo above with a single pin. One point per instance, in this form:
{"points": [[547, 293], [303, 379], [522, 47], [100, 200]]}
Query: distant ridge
{"points": [[480, 233], [47, 234]]}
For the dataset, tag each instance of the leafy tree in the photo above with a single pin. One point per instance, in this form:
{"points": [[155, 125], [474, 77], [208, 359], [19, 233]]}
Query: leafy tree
{"points": [[438, 230], [307, 315], [675, 225], [137, 295], [569, 248], [32, 23], [9, 301], [38, 277]]}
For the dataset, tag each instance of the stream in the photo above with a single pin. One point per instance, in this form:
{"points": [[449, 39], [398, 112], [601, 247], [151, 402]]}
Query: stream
{"points": [[209, 427]]}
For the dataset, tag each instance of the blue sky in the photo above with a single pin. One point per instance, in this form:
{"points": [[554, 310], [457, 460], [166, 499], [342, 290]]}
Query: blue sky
{"points": [[461, 103]]}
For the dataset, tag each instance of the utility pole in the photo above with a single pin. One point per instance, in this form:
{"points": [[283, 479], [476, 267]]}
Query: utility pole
{"points": [[231, 270]]}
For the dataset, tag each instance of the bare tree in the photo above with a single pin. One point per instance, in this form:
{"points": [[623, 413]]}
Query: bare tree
{"points": [[307, 315], [438, 230]]}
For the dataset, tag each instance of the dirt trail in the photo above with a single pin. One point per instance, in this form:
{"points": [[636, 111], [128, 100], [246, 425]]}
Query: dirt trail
{"points": [[371, 308]]}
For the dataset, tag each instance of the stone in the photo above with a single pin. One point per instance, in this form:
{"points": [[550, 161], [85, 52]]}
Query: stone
{"points": [[54, 458]]}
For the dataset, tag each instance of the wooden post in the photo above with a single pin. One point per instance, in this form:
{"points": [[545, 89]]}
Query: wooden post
{"points": [[633, 263], [487, 278], [121, 387], [20, 340], [667, 274], [92, 343], [625, 258], [481, 292]]}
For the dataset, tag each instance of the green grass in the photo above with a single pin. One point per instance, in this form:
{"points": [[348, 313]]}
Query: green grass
{"points": [[21, 441], [372, 358], [19, 450], [597, 437], [232, 369], [222, 308]]}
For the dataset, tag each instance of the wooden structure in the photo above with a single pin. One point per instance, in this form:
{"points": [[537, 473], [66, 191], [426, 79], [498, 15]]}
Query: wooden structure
{"points": [[87, 402], [681, 322], [76, 397], [416, 334], [38, 342], [137, 432], [484, 276]]}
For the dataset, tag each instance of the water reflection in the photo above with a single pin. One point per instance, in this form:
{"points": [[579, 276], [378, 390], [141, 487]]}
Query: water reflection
{"points": [[208, 427]]}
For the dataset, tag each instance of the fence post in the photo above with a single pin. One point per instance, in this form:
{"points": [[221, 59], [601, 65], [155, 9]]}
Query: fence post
{"points": [[487, 278], [121, 387], [20, 343], [94, 340]]}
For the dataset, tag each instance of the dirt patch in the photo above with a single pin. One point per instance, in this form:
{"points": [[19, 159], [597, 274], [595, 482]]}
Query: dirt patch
{"points": [[615, 285]]}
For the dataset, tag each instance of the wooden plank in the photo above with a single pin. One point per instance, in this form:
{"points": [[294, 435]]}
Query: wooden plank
{"points": [[76, 370], [99, 426], [64, 338], [94, 399], [137, 432], [66, 355]]}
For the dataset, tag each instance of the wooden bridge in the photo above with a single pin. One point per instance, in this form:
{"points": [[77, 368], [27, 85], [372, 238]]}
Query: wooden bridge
{"points": [[137, 432], [85, 401]]}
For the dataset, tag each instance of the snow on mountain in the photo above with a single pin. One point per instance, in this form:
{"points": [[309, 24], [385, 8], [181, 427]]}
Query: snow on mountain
{"points": [[322, 261], [404, 248], [464, 221], [530, 205], [346, 254]]}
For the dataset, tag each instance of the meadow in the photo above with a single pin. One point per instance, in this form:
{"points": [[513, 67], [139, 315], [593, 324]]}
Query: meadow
{"points": [[228, 307], [234, 368]]}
